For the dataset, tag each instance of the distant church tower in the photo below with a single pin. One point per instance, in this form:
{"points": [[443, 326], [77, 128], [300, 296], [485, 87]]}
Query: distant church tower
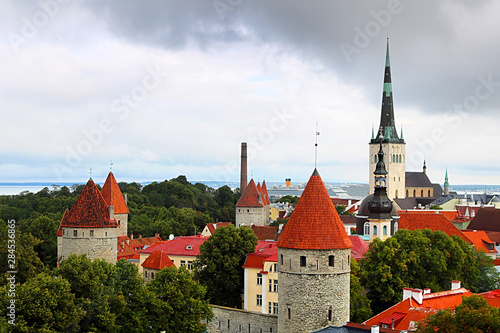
{"points": [[313, 264], [393, 145], [446, 184]]}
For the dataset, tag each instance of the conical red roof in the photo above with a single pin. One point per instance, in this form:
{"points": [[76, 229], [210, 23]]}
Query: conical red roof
{"points": [[265, 194], [89, 211], [113, 196], [250, 198], [314, 223]]}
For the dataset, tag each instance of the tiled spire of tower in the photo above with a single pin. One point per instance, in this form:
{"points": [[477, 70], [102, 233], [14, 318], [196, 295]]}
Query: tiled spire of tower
{"points": [[387, 121]]}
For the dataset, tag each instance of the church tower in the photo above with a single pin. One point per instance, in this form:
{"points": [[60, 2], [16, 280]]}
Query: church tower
{"points": [[446, 183], [393, 145], [380, 207], [313, 264]]}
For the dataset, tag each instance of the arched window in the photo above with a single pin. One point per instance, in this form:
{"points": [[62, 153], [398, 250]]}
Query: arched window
{"points": [[396, 195], [384, 230], [414, 193], [429, 193], [392, 158], [366, 228], [400, 158], [375, 231], [396, 226], [421, 193], [407, 193]]}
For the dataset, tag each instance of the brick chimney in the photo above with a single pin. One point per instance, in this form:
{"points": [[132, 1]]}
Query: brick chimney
{"points": [[243, 172], [131, 236]]}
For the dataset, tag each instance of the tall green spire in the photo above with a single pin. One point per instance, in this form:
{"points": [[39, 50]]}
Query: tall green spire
{"points": [[446, 178], [387, 121]]}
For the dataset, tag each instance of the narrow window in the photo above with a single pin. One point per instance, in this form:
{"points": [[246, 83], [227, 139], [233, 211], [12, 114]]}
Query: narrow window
{"points": [[106, 234], [366, 228], [422, 193], [317, 264], [83, 233], [384, 230], [375, 231], [396, 227], [183, 263], [275, 286], [190, 265], [259, 300], [275, 308], [228, 324], [331, 261], [281, 259], [145, 274], [289, 313], [152, 275], [429, 193], [259, 279], [75, 233], [270, 285], [270, 307], [330, 314], [91, 233], [302, 261]]}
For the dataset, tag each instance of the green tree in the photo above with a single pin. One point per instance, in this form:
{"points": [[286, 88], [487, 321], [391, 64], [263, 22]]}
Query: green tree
{"points": [[342, 210], [416, 259], [45, 229], [359, 303], [473, 315], [180, 303], [219, 265], [44, 304], [290, 199], [26, 261], [93, 285], [489, 276]]}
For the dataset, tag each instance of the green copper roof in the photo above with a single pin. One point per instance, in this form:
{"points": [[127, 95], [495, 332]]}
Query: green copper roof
{"points": [[446, 179]]}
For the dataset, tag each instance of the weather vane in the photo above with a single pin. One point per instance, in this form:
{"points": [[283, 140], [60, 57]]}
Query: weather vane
{"points": [[316, 147], [111, 166], [90, 173]]}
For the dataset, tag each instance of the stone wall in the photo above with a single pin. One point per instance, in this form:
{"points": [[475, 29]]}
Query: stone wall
{"points": [[122, 220], [315, 295], [248, 215], [94, 242], [234, 320]]}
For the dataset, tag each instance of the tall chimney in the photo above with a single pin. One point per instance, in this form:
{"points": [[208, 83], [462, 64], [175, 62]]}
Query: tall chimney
{"points": [[243, 173]]}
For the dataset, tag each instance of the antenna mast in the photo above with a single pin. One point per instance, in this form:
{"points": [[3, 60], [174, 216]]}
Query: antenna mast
{"points": [[316, 148]]}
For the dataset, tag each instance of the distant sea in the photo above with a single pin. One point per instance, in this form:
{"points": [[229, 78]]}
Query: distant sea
{"points": [[13, 188]]}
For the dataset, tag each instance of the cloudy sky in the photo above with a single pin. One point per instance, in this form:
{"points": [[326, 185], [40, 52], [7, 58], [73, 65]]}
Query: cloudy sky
{"points": [[163, 88]]}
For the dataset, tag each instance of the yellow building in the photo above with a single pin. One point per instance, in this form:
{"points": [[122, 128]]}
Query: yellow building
{"points": [[261, 279], [181, 250]]}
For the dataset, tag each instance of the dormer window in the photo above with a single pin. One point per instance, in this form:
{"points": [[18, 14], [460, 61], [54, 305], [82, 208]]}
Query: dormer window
{"points": [[189, 247]]}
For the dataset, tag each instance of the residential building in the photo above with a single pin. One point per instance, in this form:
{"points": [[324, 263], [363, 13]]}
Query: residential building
{"points": [[181, 250], [155, 263], [211, 227]]}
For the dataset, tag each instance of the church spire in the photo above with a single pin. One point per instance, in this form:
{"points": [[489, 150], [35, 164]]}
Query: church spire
{"points": [[387, 121], [446, 184]]}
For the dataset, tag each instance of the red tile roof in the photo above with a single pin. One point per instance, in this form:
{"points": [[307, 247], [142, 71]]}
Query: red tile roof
{"points": [[314, 223], [359, 247], [89, 211], [434, 221], [134, 246], [265, 195], [264, 251], [481, 240], [59, 230], [265, 232], [409, 311], [113, 196], [250, 197], [492, 297], [157, 260], [180, 246], [212, 226], [487, 219], [449, 214]]}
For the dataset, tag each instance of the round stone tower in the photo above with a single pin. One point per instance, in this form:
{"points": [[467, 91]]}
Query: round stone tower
{"points": [[313, 264], [89, 227]]}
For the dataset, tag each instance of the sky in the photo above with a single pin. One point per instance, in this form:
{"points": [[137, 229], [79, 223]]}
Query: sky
{"points": [[156, 89]]}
